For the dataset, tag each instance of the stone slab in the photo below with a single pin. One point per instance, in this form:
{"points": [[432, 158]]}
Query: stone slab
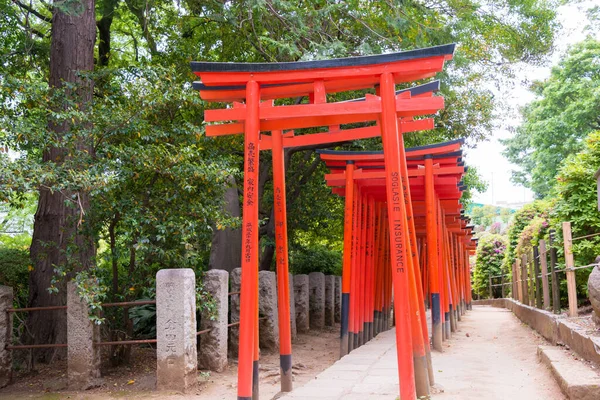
{"points": [[301, 299], [212, 354], [577, 380], [267, 307], [317, 300], [6, 302], [235, 282], [329, 300], [338, 299], [176, 352], [351, 376], [83, 358], [294, 330]]}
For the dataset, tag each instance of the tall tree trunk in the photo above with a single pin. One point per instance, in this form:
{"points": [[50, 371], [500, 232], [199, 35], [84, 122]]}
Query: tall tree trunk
{"points": [[58, 237], [104, 25]]}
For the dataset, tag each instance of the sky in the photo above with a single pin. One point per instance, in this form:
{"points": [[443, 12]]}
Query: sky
{"points": [[487, 156]]}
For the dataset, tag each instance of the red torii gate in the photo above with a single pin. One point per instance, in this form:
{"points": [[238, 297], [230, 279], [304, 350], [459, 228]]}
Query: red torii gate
{"points": [[256, 82], [370, 166]]}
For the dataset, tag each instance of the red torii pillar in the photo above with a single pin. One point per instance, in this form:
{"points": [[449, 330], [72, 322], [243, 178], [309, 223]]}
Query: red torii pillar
{"points": [[405, 69]]}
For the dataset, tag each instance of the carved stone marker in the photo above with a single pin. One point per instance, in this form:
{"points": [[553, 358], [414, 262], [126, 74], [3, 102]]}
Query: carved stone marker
{"points": [[213, 344], [301, 298], [292, 309], [6, 302], [83, 358], [176, 354], [337, 315], [594, 292], [235, 280], [329, 299], [267, 307], [317, 300]]}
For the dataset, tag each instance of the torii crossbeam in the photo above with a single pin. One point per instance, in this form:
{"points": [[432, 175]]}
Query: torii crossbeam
{"points": [[255, 82]]}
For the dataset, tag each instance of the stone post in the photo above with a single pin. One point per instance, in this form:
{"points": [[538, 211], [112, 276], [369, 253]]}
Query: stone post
{"points": [[6, 302], [213, 344], [593, 291], [301, 298], [267, 307], [294, 330], [337, 302], [234, 311], [316, 281], [176, 353], [83, 358], [329, 299]]}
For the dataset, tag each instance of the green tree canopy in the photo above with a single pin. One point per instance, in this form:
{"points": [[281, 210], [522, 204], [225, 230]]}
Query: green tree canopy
{"points": [[154, 180], [576, 199], [566, 111]]}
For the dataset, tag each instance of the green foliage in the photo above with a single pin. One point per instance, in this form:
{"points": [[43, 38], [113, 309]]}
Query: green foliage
{"points": [[155, 182], [474, 183], [143, 319], [577, 199], [14, 270], [316, 258], [93, 292], [488, 262], [565, 112], [489, 218], [17, 215], [521, 220]]}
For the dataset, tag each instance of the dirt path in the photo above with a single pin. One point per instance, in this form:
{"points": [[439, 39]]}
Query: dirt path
{"points": [[493, 356], [312, 353]]}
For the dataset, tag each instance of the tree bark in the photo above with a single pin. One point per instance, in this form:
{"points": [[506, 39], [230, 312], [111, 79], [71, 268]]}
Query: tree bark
{"points": [[226, 247], [104, 25], [58, 237]]}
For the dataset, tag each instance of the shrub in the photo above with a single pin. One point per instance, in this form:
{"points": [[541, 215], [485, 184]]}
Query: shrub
{"points": [[14, 268], [488, 262], [315, 258]]}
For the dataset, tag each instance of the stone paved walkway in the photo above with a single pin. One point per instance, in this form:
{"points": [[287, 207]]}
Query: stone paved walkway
{"points": [[492, 356], [369, 372]]}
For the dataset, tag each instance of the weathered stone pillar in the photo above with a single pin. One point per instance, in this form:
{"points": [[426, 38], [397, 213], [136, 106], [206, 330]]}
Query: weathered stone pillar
{"points": [[83, 358], [329, 299], [294, 330], [593, 292], [176, 353], [235, 281], [301, 299], [213, 344], [6, 302], [316, 282], [267, 307], [337, 301]]}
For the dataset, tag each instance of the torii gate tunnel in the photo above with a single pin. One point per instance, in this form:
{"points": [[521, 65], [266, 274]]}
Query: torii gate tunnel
{"points": [[379, 213]]}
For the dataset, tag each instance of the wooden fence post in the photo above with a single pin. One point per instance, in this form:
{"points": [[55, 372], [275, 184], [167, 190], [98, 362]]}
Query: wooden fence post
{"points": [[569, 264], [544, 271], [502, 284], [490, 286], [515, 291], [518, 282], [536, 268], [531, 279], [555, 286], [525, 289]]}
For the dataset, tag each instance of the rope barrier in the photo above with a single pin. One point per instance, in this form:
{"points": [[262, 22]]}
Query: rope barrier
{"points": [[586, 236]]}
